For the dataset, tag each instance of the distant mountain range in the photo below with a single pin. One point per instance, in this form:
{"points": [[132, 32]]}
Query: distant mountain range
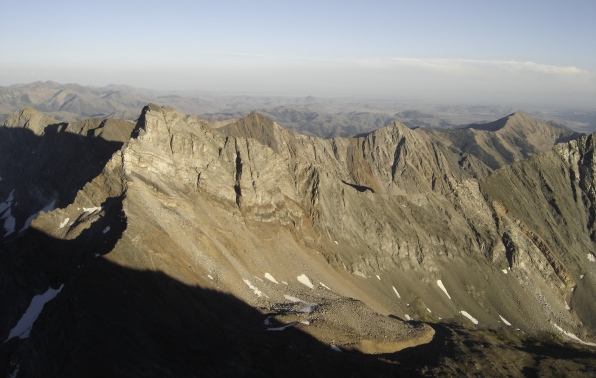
{"points": [[322, 117]]}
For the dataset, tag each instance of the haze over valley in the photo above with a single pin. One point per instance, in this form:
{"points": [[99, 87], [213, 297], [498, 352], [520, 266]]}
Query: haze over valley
{"points": [[317, 116], [268, 189]]}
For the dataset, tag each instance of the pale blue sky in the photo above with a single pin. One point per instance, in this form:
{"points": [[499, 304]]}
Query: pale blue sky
{"points": [[482, 51]]}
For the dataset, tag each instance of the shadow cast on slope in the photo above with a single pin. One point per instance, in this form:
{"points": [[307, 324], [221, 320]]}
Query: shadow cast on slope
{"points": [[114, 321], [47, 171]]}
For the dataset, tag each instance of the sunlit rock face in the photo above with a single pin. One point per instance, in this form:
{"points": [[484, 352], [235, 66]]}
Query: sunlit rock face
{"points": [[172, 227]]}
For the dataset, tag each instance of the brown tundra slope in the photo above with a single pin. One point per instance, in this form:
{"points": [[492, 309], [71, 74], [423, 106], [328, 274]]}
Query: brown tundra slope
{"points": [[175, 248]]}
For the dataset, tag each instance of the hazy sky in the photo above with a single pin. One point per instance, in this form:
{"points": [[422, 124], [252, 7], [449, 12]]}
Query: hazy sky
{"points": [[492, 52]]}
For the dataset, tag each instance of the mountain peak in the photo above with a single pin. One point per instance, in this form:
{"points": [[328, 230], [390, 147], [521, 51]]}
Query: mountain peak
{"points": [[29, 118], [519, 115], [513, 120], [255, 126]]}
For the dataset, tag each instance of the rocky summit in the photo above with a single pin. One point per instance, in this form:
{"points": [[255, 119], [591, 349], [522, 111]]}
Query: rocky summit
{"points": [[177, 246]]}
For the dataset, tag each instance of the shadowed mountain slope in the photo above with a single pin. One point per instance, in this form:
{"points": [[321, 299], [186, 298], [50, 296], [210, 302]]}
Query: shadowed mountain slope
{"points": [[43, 173]]}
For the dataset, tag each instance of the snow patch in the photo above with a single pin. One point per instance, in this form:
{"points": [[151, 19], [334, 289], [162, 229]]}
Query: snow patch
{"points": [[210, 276], [270, 278], [581, 277], [258, 292], [15, 372], [64, 223], [308, 308], [305, 281], [408, 317], [282, 327], [284, 282], [567, 306], [5, 210], [572, 336], [325, 286], [504, 320], [396, 293], [472, 319], [378, 277], [97, 255], [91, 210], [504, 271], [334, 348], [591, 257], [429, 311], [9, 222], [6, 204], [23, 327], [292, 299], [106, 230], [440, 283]]}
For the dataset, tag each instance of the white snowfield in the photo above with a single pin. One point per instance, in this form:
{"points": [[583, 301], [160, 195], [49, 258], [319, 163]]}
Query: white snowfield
{"points": [[23, 327], [282, 327], [9, 222], [15, 372], [308, 308], [591, 257], [255, 290], [6, 214], [293, 299], [504, 320], [271, 278], [64, 223], [334, 348], [440, 283], [91, 210], [472, 319], [325, 286], [396, 293], [573, 337], [6, 204], [305, 281], [106, 230]]}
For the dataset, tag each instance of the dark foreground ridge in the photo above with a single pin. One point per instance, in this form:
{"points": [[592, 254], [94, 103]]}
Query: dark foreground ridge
{"points": [[112, 321]]}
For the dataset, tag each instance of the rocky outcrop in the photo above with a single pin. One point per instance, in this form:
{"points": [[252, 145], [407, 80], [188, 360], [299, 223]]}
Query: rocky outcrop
{"points": [[392, 204], [341, 240]]}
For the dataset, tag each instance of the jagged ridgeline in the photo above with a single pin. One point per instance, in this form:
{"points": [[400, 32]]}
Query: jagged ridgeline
{"points": [[176, 246]]}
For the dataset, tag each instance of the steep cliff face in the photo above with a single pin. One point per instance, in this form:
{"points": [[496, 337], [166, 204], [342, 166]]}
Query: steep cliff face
{"points": [[328, 236], [552, 209], [393, 204]]}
